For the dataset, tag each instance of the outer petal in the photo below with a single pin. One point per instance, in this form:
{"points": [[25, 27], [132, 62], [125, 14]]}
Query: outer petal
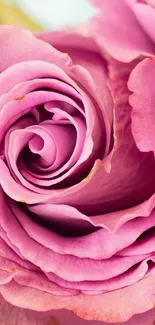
{"points": [[10, 315], [141, 83], [115, 307], [19, 45], [145, 13], [118, 31]]}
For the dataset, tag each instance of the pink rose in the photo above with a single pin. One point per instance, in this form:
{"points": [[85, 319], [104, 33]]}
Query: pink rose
{"points": [[76, 207]]}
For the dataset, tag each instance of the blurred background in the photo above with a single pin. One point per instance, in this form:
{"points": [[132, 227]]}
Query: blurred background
{"points": [[45, 14]]}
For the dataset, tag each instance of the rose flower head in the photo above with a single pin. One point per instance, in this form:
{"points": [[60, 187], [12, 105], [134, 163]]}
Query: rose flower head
{"points": [[77, 169]]}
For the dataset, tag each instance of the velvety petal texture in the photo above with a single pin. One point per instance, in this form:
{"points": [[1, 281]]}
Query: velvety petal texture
{"points": [[77, 212]]}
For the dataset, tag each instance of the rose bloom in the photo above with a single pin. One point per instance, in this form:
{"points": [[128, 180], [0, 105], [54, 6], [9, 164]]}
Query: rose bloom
{"points": [[77, 170]]}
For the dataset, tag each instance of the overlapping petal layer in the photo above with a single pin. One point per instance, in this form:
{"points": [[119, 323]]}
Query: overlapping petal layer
{"points": [[77, 214]]}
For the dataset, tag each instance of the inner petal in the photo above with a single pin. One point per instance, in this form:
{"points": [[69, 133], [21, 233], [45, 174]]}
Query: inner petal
{"points": [[63, 139], [50, 144], [14, 109], [38, 146], [51, 177]]}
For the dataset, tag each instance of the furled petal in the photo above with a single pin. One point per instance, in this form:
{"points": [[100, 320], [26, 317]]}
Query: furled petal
{"points": [[108, 183], [86, 53], [104, 104], [21, 72], [94, 143], [113, 186], [118, 31], [50, 136]]}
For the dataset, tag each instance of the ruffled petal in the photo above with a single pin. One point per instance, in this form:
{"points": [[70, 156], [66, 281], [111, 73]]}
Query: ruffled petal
{"points": [[11, 315], [119, 305], [86, 53]]}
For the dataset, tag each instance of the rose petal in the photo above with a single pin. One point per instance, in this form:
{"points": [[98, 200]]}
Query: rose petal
{"points": [[10, 270], [130, 277], [145, 244], [123, 38], [111, 176], [31, 49], [90, 246], [26, 71], [119, 305], [11, 315], [145, 15], [84, 52], [52, 136], [141, 84], [74, 269]]}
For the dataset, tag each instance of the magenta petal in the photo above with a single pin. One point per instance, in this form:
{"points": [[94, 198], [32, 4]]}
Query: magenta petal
{"points": [[15, 190], [123, 38], [31, 70], [102, 105], [145, 15], [22, 88], [141, 83], [128, 278], [74, 269], [85, 53], [145, 244], [48, 135], [19, 45], [90, 246], [114, 189], [105, 273]]}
